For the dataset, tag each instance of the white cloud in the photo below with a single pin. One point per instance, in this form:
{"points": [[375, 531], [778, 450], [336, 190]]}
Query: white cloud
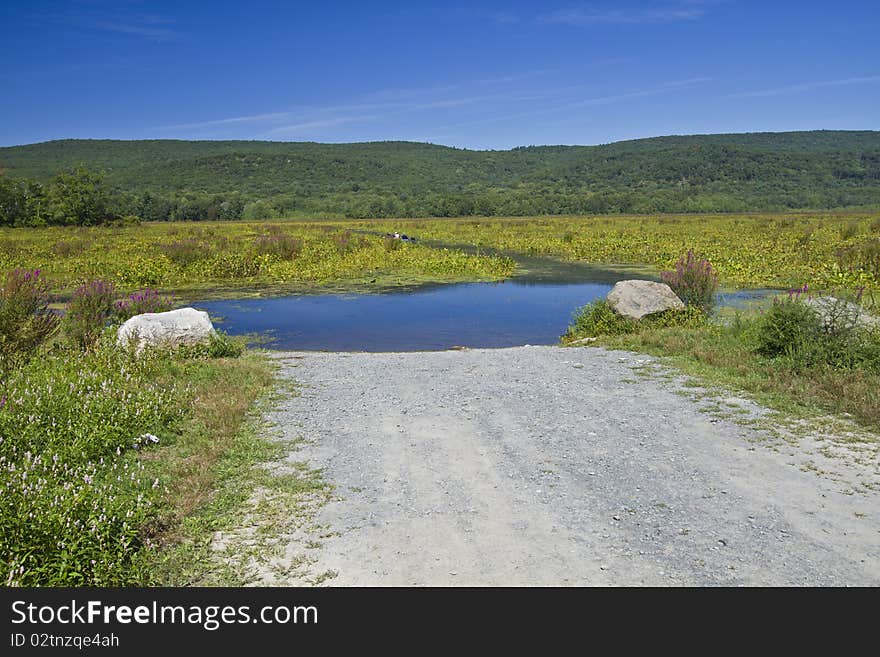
{"points": [[806, 86], [149, 31], [586, 16]]}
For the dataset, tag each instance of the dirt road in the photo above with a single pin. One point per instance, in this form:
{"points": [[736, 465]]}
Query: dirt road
{"points": [[555, 466]]}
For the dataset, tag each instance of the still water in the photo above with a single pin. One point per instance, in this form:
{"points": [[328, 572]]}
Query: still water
{"points": [[534, 307]]}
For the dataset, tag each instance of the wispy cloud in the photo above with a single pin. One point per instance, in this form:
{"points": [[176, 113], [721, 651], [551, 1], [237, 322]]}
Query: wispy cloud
{"points": [[308, 126], [143, 30], [806, 86], [659, 89], [450, 101], [502, 17], [377, 105], [111, 17], [233, 120], [584, 16], [656, 90], [355, 113]]}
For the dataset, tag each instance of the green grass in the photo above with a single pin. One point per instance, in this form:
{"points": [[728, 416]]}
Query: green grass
{"points": [[217, 466], [726, 355], [106, 454]]}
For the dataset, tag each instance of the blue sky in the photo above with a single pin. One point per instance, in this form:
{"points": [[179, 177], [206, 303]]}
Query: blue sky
{"points": [[477, 74]]}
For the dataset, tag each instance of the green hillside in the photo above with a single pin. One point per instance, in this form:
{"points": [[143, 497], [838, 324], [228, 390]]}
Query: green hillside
{"points": [[158, 179]]}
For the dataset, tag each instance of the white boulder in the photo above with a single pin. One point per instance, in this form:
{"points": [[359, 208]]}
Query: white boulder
{"points": [[636, 299], [184, 326], [838, 314]]}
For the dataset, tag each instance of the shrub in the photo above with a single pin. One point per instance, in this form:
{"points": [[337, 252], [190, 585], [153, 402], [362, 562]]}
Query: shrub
{"points": [[864, 256], [88, 312], [599, 318], [390, 243], [184, 252], [144, 301], [127, 220], [795, 332], [64, 248], [694, 280], [279, 245], [849, 230], [787, 327], [26, 321], [139, 271], [236, 265]]}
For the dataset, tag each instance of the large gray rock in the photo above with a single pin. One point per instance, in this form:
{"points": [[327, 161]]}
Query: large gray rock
{"points": [[838, 314], [636, 299], [184, 326]]}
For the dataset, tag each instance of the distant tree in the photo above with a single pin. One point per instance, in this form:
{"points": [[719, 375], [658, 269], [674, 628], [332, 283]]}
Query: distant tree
{"points": [[259, 210], [20, 202], [13, 203], [77, 198]]}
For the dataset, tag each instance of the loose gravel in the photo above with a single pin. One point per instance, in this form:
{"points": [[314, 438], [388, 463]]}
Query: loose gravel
{"points": [[558, 466]]}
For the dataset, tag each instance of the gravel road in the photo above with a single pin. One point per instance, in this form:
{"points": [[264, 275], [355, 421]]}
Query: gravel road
{"points": [[561, 466]]}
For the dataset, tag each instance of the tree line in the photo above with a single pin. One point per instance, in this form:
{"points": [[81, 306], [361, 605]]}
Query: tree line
{"points": [[191, 181]]}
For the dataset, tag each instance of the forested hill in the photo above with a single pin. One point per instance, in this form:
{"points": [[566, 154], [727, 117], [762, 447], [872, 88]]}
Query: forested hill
{"points": [[159, 179]]}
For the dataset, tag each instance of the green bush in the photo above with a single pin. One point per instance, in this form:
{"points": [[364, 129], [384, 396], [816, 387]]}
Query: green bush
{"points": [[26, 321], [218, 345], [599, 318], [236, 265], [787, 328], [185, 252], [796, 334]]}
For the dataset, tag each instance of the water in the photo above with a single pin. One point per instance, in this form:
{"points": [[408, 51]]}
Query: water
{"points": [[473, 315], [535, 307]]}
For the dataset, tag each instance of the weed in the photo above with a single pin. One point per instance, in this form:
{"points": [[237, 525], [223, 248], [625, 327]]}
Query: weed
{"points": [[26, 321], [88, 312], [143, 301], [694, 280]]}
